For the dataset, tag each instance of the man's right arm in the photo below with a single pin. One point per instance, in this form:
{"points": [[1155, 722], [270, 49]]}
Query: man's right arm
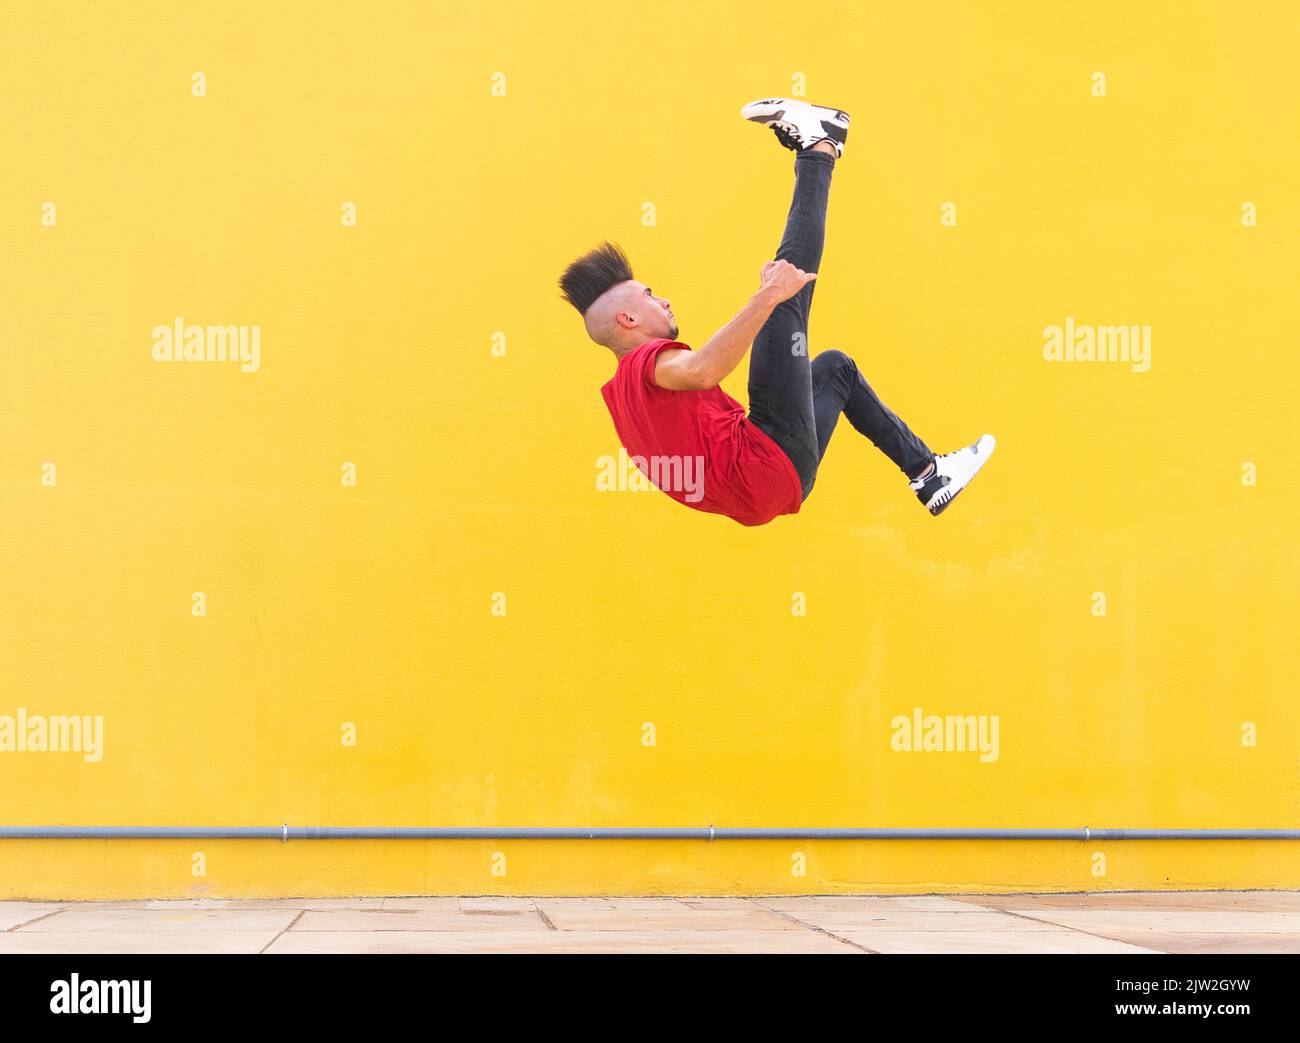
{"points": [[682, 370]]}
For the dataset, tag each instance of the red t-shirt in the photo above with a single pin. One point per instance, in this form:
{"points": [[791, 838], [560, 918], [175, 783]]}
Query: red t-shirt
{"points": [[699, 446]]}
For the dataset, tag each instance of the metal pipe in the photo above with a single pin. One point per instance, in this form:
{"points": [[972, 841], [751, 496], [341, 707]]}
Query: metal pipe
{"points": [[287, 832]]}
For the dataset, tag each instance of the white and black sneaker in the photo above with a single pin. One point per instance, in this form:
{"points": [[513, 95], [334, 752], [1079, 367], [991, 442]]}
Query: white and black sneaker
{"points": [[952, 473], [799, 125]]}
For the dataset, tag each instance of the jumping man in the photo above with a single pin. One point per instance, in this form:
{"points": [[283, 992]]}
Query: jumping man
{"points": [[665, 398]]}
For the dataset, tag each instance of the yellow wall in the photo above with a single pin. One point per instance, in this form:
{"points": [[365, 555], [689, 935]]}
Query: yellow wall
{"points": [[476, 474]]}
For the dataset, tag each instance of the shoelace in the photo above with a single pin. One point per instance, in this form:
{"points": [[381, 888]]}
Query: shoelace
{"points": [[787, 139]]}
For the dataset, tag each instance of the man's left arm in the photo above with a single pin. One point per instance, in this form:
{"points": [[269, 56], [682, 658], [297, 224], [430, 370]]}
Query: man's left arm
{"points": [[721, 353]]}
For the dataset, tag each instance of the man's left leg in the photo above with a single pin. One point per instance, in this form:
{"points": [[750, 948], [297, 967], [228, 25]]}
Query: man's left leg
{"points": [[780, 370]]}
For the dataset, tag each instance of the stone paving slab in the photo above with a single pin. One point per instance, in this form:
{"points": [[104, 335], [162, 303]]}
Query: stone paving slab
{"points": [[679, 917], [1187, 901], [1183, 922], [651, 941], [135, 941], [1195, 942], [839, 921], [1104, 921], [897, 942], [14, 914], [72, 920], [355, 920]]}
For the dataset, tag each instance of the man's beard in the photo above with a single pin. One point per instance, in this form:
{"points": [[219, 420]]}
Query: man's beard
{"points": [[672, 330]]}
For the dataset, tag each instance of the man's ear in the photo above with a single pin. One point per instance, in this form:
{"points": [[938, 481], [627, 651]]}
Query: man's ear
{"points": [[625, 320]]}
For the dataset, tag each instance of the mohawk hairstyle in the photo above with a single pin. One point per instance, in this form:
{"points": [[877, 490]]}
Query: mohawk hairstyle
{"points": [[593, 273]]}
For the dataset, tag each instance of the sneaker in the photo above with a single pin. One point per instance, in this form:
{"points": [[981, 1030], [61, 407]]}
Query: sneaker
{"points": [[799, 125], [952, 473]]}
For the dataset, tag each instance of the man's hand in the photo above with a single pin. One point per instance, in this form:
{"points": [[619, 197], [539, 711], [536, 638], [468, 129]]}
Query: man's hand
{"points": [[681, 370], [782, 280]]}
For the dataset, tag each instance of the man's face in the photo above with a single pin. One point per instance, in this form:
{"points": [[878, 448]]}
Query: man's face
{"points": [[654, 314]]}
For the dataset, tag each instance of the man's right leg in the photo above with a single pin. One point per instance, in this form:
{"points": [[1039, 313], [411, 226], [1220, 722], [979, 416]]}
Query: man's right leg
{"points": [[780, 370], [839, 387]]}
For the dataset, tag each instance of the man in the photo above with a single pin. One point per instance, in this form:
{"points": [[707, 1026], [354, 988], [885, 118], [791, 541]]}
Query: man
{"points": [[664, 397]]}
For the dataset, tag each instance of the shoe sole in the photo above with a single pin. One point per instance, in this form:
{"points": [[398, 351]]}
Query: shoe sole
{"points": [[980, 461]]}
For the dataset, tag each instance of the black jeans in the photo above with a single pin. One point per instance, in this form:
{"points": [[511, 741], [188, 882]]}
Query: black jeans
{"points": [[795, 399]]}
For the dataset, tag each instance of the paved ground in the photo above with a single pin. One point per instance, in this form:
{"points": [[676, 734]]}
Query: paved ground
{"points": [[1187, 921]]}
